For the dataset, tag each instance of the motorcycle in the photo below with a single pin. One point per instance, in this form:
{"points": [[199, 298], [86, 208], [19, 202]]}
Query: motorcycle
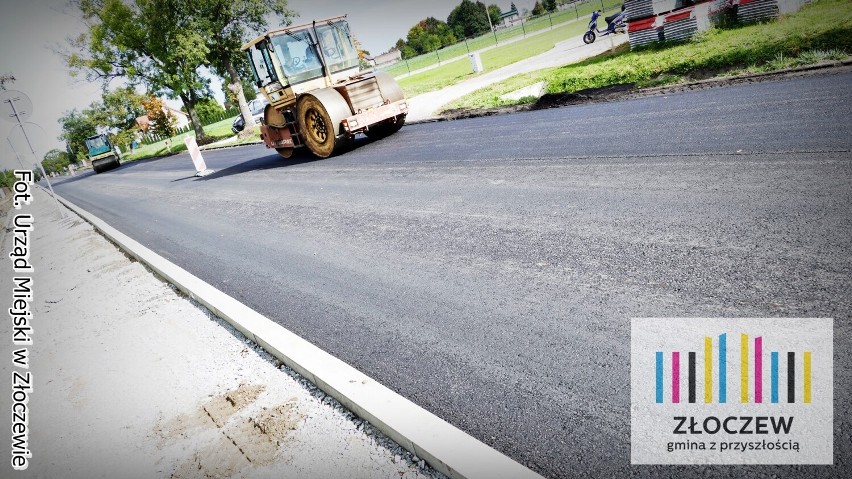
{"points": [[614, 24]]}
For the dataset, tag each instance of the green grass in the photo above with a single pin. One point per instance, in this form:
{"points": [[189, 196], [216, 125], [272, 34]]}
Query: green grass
{"points": [[218, 130], [819, 31], [503, 34], [460, 70]]}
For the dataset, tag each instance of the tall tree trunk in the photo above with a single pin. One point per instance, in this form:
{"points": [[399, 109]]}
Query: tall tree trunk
{"points": [[236, 86], [189, 102]]}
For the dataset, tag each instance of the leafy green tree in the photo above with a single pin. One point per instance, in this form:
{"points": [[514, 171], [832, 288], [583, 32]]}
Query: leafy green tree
{"points": [[445, 33], [549, 5], [208, 108], [7, 178], [143, 41], [469, 19], [116, 111], [55, 161], [495, 12], [427, 36], [538, 9], [119, 108], [123, 138], [405, 49], [76, 127], [225, 26]]}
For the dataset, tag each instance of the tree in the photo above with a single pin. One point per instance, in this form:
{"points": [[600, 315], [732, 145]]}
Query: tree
{"points": [[248, 91], [7, 178], [118, 109], [538, 9], [427, 36], [469, 19], [116, 112], [208, 109], [405, 50], [55, 161], [123, 138], [76, 127], [160, 122], [144, 41], [495, 13], [225, 25], [549, 5]]}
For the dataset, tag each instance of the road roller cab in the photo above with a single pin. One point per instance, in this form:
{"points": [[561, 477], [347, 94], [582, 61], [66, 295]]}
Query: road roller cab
{"points": [[318, 97], [101, 153]]}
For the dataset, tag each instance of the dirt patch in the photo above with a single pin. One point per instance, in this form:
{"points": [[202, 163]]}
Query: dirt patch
{"points": [[277, 422], [228, 434], [219, 459], [551, 100], [221, 408]]}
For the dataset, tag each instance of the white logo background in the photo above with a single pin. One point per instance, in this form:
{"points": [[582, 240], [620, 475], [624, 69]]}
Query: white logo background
{"points": [[652, 424]]}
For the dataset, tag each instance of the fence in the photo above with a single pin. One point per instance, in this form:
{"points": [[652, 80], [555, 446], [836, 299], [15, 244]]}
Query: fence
{"points": [[565, 13], [206, 120]]}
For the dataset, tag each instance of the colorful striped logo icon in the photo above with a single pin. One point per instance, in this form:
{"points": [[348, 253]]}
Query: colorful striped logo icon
{"points": [[751, 357], [719, 390]]}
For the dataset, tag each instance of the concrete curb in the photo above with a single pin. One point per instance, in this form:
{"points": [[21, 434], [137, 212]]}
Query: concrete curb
{"points": [[443, 446]]}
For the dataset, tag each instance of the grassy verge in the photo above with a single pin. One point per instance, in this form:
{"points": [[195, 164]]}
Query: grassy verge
{"points": [[581, 12], [819, 31], [460, 70], [218, 131]]}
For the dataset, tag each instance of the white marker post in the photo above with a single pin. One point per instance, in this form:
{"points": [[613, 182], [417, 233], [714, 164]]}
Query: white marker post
{"points": [[195, 153]]}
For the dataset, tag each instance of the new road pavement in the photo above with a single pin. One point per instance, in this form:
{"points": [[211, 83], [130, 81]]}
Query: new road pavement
{"points": [[487, 269]]}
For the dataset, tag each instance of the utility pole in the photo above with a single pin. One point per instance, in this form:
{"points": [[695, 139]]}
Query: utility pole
{"points": [[491, 25], [20, 107]]}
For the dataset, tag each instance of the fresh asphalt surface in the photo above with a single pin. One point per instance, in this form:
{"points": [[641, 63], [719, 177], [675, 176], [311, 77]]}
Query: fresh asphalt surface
{"points": [[487, 269]]}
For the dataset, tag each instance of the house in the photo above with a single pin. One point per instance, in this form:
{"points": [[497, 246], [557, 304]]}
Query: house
{"points": [[182, 118], [511, 17], [386, 58]]}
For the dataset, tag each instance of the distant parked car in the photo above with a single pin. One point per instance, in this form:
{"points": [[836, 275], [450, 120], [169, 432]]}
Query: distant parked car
{"points": [[256, 107]]}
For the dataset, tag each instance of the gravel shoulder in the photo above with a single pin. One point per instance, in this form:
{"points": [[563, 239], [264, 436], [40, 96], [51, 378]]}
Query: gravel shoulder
{"points": [[133, 379]]}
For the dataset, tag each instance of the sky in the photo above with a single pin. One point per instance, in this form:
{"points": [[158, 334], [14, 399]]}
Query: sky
{"points": [[31, 29]]}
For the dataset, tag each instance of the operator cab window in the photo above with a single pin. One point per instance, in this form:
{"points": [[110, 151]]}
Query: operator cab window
{"points": [[261, 65], [299, 60], [96, 145], [336, 43], [95, 142]]}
